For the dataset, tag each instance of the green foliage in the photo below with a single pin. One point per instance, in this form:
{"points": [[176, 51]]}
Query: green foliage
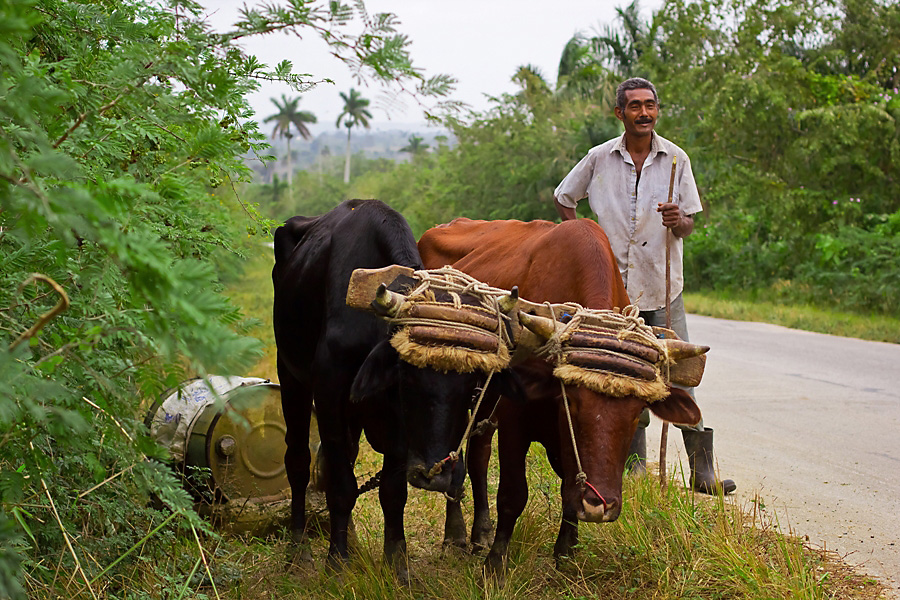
{"points": [[790, 119], [791, 114], [123, 124]]}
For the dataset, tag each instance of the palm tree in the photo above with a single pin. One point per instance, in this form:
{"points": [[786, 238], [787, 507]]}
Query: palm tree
{"points": [[288, 116], [354, 114], [415, 146], [532, 82], [622, 46]]}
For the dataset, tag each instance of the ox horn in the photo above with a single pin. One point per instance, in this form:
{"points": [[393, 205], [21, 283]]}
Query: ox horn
{"points": [[386, 302], [509, 302], [540, 326], [679, 349]]}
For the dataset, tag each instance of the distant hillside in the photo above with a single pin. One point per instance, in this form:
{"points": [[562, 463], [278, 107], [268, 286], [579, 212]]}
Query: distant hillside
{"points": [[327, 148]]}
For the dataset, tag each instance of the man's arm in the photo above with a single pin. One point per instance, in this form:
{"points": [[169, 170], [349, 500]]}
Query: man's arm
{"points": [[573, 188], [682, 225], [565, 213]]}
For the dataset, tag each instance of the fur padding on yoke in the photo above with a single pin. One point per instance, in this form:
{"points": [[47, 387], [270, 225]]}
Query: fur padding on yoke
{"points": [[446, 320], [610, 352], [444, 357], [451, 322]]}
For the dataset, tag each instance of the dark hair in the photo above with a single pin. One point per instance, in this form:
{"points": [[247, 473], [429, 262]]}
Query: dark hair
{"points": [[635, 83]]}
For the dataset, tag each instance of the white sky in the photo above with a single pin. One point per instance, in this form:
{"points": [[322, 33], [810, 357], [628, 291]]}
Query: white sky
{"points": [[480, 42]]}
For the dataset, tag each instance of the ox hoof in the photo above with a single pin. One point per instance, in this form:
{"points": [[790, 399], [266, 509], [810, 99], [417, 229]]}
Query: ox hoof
{"points": [[561, 561], [482, 532], [400, 568], [494, 571], [299, 552], [402, 574], [454, 543]]}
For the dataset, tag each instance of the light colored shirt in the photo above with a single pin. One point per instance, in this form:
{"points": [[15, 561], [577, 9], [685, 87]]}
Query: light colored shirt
{"points": [[626, 209]]}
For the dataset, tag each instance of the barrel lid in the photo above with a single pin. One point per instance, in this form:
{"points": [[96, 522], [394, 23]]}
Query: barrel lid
{"points": [[246, 443], [172, 417]]}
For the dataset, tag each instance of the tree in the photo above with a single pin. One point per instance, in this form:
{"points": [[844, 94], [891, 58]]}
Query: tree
{"points": [[622, 46], [123, 127], [581, 72], [288, 116], [354, 114], [415, 146]]}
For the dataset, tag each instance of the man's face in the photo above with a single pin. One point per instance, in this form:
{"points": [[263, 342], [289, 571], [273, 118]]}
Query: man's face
{"points": [[640, 114]]}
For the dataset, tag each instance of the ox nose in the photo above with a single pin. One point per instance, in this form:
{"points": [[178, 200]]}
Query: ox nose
{"points": [[418, 476], [595, 510]]}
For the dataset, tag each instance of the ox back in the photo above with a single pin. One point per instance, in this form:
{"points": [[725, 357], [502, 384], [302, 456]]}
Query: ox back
{"points": [[322, 343], [567, 262]]}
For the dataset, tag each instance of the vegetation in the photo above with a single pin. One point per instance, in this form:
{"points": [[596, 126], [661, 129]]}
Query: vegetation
{"points": [[791, 116], [354, 114], [288, 117], [123, 125]]}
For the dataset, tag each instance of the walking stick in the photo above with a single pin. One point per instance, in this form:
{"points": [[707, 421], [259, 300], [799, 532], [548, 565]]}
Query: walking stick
{"points": [[664, 434]]}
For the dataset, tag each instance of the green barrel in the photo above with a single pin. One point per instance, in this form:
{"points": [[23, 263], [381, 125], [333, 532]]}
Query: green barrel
{"points": [[226, 435]]}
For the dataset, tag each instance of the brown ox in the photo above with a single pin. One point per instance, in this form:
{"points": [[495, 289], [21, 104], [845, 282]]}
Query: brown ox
{"points": [[568, 262]]}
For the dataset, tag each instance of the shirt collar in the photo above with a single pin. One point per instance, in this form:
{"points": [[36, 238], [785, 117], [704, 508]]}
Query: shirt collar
{"points": [[656, 145]]}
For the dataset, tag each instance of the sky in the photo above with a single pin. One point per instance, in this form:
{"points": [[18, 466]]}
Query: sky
{"points": [[479, 42]]}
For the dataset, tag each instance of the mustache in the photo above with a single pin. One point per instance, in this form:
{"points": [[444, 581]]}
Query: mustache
{"points": [[644, 121]]}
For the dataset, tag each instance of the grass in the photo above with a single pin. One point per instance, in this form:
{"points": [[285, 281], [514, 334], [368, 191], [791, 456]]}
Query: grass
{"points": [[666, 544], [797, 316]]}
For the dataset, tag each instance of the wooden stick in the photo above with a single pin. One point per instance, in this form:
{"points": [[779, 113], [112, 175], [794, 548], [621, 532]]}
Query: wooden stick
{"points": [[664, 434]]}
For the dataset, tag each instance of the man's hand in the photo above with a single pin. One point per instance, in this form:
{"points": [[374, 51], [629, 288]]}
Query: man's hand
{"points": [[565, 213], [681, 224]]}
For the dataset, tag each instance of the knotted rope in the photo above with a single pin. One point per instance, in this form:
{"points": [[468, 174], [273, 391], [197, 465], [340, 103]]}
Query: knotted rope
{"points": [[454, 455], [581, 476]]}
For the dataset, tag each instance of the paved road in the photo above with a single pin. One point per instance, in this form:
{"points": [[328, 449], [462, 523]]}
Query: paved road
{"points": [[811, 423]]}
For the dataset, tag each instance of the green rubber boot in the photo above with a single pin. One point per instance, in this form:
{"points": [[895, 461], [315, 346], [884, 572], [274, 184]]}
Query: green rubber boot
{"points": [[699, 448]]}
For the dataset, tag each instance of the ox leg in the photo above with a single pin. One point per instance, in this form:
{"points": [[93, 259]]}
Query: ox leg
{"points": [[296, 403], [340, 444], [340, 496], [455, 524], [478, 461], [512, 496], [567, 538], [392, 494]]}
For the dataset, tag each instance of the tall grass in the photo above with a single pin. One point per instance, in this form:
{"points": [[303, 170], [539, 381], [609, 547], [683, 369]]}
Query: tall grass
{"points": [[667, 543]]}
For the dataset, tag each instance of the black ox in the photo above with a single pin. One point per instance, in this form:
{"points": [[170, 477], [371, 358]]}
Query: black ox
{"points": [[341, 358]]}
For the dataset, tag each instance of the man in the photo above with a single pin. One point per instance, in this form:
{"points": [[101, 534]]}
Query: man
{"points": [[626, 181]]}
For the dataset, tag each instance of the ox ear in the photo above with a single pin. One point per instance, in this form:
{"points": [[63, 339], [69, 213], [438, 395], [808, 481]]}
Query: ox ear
{"points": [[378, 373], [678, 408]]}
